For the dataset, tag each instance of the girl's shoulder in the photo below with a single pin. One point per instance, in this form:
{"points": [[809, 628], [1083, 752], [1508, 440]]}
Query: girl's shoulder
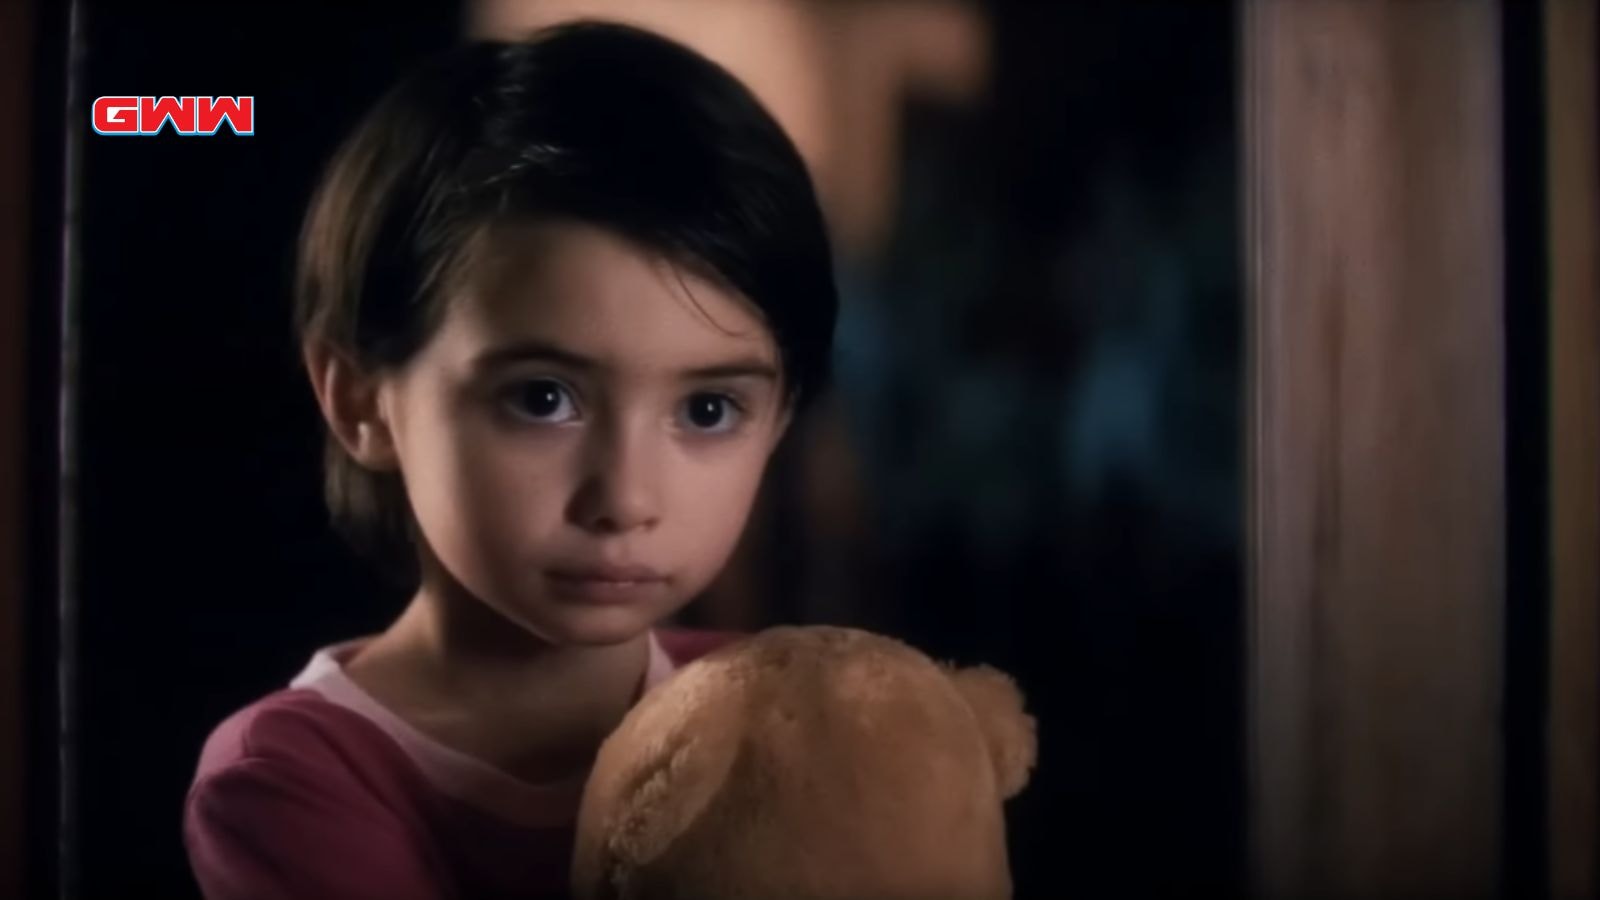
{"points": [[685, 645], [296, 796], [295, 728]]}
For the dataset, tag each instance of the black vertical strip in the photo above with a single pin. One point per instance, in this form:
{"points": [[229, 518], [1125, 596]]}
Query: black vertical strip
{"points": [[1525, 826], [42, 711], [67, 531]]}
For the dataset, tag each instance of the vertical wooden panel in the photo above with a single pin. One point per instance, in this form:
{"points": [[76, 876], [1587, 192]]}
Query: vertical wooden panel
{"points": [[1375, 264], [15, 31], [1574, 190]]}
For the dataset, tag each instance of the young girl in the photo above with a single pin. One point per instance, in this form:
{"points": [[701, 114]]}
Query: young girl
{"points": [[558, 302]]}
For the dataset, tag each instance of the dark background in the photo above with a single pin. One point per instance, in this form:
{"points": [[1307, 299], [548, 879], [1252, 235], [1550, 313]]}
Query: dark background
{"points": [[1041, 375], [206, 572]]}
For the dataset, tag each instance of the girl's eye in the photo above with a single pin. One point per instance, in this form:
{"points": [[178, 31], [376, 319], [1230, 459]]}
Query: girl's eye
{"points": [[714, 413], [542, 400]]}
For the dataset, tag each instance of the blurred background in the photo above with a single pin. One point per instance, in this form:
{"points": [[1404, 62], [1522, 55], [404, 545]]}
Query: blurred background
{"points": [[1035, 455]]}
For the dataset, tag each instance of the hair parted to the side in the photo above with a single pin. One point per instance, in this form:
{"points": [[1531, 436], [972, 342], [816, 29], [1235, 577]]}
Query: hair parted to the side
{"points": [[603, 123]]}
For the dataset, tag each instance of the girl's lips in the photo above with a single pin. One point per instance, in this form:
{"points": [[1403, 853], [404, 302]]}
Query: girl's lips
{"points": [[608, 574], [609, 585]]}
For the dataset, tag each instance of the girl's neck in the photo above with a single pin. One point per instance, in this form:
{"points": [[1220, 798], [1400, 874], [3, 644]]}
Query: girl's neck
{"points": [[471, 654], [468, 677]]}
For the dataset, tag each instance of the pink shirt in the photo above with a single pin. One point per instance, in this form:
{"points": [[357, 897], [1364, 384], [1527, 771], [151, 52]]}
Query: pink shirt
{"points": [[318, 791]]}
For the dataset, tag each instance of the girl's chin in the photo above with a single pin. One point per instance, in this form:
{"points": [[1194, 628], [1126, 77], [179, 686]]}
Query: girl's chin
{"points": [[590, 626]]}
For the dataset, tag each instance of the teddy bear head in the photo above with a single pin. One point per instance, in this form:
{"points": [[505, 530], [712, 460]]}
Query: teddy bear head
{"points": [[808, 763]]}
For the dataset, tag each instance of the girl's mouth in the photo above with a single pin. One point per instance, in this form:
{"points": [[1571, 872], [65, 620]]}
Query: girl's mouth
{"points": [[606, 584], [608, 573]]}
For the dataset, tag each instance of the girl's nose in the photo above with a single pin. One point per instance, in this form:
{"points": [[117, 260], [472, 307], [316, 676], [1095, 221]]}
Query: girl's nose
{"points": [[620, 491]]}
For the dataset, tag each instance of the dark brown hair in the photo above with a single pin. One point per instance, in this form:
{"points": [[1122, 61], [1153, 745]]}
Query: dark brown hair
{"points": [[604, 123]]}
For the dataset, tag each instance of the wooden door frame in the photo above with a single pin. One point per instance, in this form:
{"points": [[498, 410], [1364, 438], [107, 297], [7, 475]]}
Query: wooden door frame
{"points": [[1376, 465], [1422, 195], [1572, 81]]}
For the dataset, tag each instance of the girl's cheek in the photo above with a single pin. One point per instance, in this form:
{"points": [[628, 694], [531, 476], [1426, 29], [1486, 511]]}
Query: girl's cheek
{"points": [[722, 489]]}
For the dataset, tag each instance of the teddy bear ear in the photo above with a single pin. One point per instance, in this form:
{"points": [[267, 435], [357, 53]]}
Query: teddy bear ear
{"points": [[665, 797], [1007, 727], [655, 775]]}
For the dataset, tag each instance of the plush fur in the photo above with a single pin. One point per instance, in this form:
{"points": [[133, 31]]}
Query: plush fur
{"points": [[810, 763]]}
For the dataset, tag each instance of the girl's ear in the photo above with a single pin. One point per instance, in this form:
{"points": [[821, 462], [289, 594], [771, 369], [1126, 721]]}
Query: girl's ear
{"points": [[350, 401], [785, 419]]}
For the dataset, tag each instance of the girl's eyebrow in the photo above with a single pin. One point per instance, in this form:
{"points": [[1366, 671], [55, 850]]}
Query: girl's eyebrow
{"points": [[541, 351], [743, 368], [532, 351]]}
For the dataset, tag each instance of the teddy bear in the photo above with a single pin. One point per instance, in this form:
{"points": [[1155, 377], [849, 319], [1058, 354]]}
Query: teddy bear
{"points": [[808, 763]]}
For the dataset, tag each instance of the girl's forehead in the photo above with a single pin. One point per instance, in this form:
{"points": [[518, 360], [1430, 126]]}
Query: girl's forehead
{"points": [[595, 293]]}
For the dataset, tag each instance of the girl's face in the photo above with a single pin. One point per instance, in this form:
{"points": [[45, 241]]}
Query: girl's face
{"points": [[582, 438]]}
